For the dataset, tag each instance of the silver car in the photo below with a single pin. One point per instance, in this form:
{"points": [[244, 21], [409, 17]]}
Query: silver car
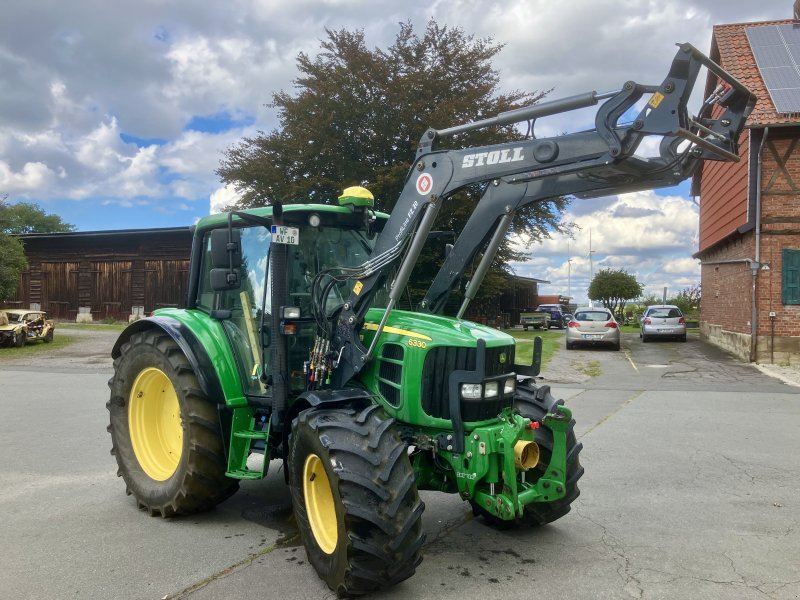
{"points": [[662, 321], [593, 326]]}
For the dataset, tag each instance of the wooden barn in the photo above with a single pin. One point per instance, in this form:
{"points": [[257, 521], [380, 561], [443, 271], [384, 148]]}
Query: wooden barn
{"points": [[114, 274], [110, 274]]}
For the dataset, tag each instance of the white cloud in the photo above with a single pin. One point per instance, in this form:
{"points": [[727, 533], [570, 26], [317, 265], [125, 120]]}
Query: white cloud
{"points": [[650, 236], [32, 177], [221, 198], [79, 74], [681, 266]]}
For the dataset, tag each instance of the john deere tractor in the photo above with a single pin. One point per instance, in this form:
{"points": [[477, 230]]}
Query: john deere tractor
{"points": [[292, 345]]}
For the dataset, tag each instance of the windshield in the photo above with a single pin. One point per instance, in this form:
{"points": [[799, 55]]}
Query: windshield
{"points": [[665, 313], [594, 315], [323, 248]]}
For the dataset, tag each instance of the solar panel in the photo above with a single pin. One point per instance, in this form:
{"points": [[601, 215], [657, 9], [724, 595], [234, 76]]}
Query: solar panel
{"points": [[776, 49]]}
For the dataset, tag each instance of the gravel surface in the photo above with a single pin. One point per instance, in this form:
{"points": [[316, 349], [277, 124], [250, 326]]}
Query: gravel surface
{"points": [[90, 354]]}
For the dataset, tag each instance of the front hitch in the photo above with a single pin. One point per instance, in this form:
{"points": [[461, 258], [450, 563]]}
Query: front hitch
{"points": [[490, 472]]}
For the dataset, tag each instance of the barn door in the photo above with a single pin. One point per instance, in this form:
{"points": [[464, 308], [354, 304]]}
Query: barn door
{"points": [[111, 297], [59, 289]]}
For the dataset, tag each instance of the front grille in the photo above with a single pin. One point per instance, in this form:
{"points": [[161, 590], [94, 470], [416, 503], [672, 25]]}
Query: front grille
{"points": [[390, 373], [443, 360]]}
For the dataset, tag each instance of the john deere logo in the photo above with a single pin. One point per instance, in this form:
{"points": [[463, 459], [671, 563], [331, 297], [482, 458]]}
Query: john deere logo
{"points": [[502, 358]]}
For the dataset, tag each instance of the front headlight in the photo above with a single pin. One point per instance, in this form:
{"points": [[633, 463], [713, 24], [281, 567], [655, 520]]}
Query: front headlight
{"points": [[490, 389], [510, 386], [471, 391]]}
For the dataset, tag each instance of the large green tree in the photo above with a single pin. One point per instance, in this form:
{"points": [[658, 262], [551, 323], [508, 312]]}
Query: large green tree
{"points": [[16, 219], [25, 217], [12, 263], [356, 116], [614, 288]]}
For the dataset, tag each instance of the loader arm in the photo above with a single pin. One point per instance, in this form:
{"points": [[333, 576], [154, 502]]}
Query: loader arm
{"points": [[593, 162], [500, 202]]}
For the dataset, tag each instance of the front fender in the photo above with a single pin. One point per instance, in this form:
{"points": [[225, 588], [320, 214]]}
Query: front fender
{"points": [[203, 342]]}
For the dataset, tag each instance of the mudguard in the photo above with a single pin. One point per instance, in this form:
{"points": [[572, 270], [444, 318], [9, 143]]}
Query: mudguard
{"points": [[194, 351]]}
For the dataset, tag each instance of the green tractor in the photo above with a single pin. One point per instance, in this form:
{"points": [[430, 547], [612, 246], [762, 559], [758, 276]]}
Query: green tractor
{"points": [[291, 345]]}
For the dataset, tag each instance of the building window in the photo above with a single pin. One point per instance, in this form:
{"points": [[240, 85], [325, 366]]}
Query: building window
{"points": [[790, 276]]}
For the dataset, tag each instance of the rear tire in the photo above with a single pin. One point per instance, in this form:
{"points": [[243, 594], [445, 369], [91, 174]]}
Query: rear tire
{"points": [[165, 433], [645, 339], [683, 338], [570, 345], [534, 403], [355, 498], [49, 337]]}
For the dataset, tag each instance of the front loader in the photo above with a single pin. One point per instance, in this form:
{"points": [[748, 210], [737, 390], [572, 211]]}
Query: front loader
{"points": [[291, 346]]}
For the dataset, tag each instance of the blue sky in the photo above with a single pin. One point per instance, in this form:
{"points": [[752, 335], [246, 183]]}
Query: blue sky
{"points": [[116, 115]]}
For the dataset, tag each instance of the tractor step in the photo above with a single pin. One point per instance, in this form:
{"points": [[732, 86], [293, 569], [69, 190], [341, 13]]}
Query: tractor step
{"points": [[245, 474], [252, 435], [247, 437]]}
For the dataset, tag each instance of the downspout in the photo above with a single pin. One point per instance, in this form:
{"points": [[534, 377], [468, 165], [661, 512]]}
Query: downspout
{"points": [[756, 264]]}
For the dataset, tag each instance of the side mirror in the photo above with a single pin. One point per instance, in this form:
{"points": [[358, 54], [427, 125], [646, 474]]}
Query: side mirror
{"points": [[225, 279], [226, 258], [226, 254]]}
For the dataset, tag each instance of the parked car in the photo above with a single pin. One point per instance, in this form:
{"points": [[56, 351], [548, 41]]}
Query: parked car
{"points": [[556, 314], [17, 327], [593, 327], [662, 321]]}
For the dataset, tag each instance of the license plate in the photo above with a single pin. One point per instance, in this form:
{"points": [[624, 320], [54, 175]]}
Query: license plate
{"points": [[664, 330], [285, 235], [592, 336]]}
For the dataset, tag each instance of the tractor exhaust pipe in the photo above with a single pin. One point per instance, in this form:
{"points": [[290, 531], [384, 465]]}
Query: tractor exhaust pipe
{"points": [[526, 455]]}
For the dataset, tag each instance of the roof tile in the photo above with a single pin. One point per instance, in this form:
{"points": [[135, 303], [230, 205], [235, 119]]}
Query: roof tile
{"points": [[730, 47]]}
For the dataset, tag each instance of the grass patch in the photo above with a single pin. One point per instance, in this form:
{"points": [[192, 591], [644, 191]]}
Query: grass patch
{"points": [[119, 326], [592, 368], [37, 347], [551, 342]]}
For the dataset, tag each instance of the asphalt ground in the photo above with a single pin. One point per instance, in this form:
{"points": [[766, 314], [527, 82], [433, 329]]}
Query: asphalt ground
{"points": [[691, 491]]}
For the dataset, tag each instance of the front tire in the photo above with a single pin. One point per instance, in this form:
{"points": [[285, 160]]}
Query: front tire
{"points": [[165, 433], [534, 403], [355, 498]]}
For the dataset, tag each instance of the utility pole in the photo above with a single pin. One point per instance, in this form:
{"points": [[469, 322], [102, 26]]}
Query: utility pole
{"points": [[569, 273], [591, 266]]}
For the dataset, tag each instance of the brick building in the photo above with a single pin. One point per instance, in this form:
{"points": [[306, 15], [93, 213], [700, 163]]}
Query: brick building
{"points": [[750, 211]]}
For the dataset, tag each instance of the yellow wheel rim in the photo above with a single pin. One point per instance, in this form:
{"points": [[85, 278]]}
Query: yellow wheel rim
{"points": [[154, 417], [319, 504]]}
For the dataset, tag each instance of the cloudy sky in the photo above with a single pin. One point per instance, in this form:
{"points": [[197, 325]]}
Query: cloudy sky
{"points": [[115, 115]]}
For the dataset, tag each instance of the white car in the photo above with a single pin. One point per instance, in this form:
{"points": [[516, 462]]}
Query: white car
{"points": [[662, 321], [593, 327]]}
